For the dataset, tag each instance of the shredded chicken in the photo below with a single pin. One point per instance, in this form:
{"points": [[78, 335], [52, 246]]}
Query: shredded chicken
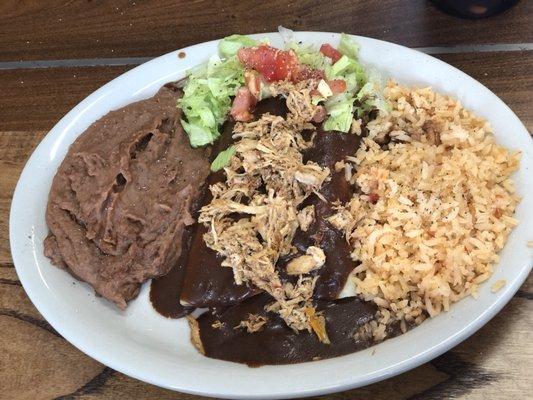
{"points": [[266, 182], [299, 103], [195, 334], [298, 299], [313, 259], [306, 217], [318, 255], [217, 324], [254, 323], [339, 165]]}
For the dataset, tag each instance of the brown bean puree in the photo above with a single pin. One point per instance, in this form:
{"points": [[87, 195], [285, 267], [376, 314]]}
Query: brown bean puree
{"points": [[121, 199]]}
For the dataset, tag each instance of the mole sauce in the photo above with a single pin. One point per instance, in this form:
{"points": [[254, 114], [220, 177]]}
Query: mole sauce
{"points": [[275, 342], [199, 280]]}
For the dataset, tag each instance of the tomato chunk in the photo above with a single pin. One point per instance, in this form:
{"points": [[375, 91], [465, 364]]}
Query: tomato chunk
{"points": [[331, 52], [243, 104], [273, 64], [337, 86], [373, 198]]}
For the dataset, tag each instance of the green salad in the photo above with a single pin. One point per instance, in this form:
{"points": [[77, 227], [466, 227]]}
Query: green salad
{"points": [[223, 87]]}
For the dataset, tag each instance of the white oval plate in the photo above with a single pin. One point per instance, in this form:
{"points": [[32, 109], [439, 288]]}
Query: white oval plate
{"points": [[144, 345]]}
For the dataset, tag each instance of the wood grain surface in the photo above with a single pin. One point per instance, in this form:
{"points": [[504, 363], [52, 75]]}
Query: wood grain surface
{"points": [[35, 361], [59, 29]]}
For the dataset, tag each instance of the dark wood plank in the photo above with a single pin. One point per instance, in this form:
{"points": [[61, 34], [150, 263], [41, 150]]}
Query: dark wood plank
{"points": [[35, 99], [37, 364], [59, 29], [15, 148]]}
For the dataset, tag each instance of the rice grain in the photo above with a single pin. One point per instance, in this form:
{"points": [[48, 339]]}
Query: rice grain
{"points": [[444, 209]]}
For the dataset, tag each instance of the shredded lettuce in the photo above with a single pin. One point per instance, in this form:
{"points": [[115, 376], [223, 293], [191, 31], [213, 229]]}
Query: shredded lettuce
{"points": [[363, 90], [286, 33], [229, 46], [348, 46], [207, 94], [310, 56], [340, 112], [340, 108], [206, 98], [362, 94], [349, 70], [370, 96], [222, 159], [366, 90]]}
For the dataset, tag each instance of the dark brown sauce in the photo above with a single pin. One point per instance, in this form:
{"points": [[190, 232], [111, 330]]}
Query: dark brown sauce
{"points": [[207, 283], [165, 290], [200, 281], [276, 343], [329, 148]]}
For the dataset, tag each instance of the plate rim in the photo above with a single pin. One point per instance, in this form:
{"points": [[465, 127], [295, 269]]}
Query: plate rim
{"points": [[404, 365]]}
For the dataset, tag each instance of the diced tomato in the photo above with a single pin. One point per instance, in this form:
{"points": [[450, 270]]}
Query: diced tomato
{"points": [[253, 82], [320, 114], [337, 86], [306, 72], [243, 104], [373, 198], [273, 64], [331, 52]]}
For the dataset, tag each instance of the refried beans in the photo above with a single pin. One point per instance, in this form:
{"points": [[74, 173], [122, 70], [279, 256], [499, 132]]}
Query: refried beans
{"points": [[123, 196]]}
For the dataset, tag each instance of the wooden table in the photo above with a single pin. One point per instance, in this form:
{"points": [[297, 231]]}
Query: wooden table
{"points": [[54, 53]]}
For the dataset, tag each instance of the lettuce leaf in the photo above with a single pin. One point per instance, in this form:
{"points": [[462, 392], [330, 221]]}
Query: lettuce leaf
{"points": [[350, 70], [370, 97], [222, 159], [363, 89], [340, 113], [207, 96], [340, 108], [229, 46], [198, 135], [310, 56], [348, 46], [286, 33]]}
